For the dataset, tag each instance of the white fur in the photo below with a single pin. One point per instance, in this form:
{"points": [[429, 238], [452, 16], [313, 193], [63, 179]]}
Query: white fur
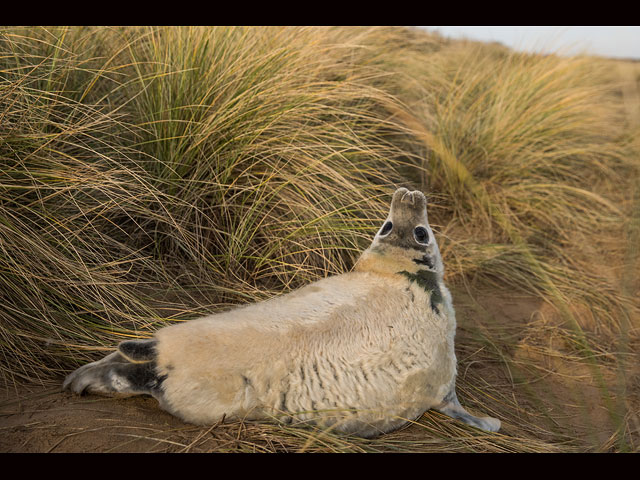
{"points": [[361, 340]]}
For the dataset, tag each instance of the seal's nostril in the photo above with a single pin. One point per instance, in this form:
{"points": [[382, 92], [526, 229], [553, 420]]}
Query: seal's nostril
{"points": [[408, 198]]}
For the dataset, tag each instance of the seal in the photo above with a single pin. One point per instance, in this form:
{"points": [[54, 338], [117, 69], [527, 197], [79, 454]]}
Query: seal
{"points": [[364, 352]]}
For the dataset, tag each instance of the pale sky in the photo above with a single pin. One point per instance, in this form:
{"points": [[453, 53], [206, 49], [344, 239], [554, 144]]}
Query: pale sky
{"points": [[619, 42]]}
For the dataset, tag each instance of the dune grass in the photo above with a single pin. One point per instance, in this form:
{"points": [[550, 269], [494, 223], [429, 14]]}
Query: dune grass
{"points": [[149, 175]]}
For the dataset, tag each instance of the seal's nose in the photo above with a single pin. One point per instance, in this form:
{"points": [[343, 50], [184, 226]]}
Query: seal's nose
{"points": [[408, 201], [414, 199], [409, 198]]}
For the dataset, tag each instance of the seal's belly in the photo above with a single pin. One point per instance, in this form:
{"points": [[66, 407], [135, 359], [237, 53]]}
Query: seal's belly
{"points": [[372, 401]]}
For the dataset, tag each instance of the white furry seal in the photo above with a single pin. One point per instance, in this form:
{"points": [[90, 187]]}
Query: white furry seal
{"points": [[364, 352]]}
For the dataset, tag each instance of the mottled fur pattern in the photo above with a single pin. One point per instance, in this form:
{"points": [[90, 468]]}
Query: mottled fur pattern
{"points": [[364, 352]]}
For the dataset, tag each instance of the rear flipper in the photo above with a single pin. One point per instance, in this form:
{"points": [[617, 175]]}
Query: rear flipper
{"points": [[138, 351], [131, 370], [451, 406]]}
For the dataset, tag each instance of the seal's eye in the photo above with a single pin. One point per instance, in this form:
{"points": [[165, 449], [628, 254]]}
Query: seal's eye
{"points": [[386, 228], [421, 235]]}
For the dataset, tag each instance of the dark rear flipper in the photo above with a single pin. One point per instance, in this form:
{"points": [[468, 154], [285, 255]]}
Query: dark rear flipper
{"points": [[131, 370], [138, 351]]}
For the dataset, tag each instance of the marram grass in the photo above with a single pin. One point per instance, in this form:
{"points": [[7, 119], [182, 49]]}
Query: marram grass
{"points": [[149, 175]]}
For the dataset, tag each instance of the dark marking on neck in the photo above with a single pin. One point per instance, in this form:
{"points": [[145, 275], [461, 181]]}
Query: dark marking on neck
{"points": [[425, 260], [428, 280]]}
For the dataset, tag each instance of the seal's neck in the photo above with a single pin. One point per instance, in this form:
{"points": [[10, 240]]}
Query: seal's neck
{"points": [[390, 260]]}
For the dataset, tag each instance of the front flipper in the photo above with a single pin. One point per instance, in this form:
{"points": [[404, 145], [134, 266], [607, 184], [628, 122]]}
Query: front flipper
{"points": [[451, 406]]}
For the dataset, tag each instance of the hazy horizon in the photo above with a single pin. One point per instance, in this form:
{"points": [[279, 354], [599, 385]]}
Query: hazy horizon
{"points": [[607, 41]]}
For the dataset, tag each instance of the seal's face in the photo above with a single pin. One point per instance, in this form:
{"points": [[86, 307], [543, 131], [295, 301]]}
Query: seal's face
{"points": [[407, 225], [406, 230]]}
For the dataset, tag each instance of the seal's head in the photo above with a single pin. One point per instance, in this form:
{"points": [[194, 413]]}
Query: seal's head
{"points": [[405, 237]]}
